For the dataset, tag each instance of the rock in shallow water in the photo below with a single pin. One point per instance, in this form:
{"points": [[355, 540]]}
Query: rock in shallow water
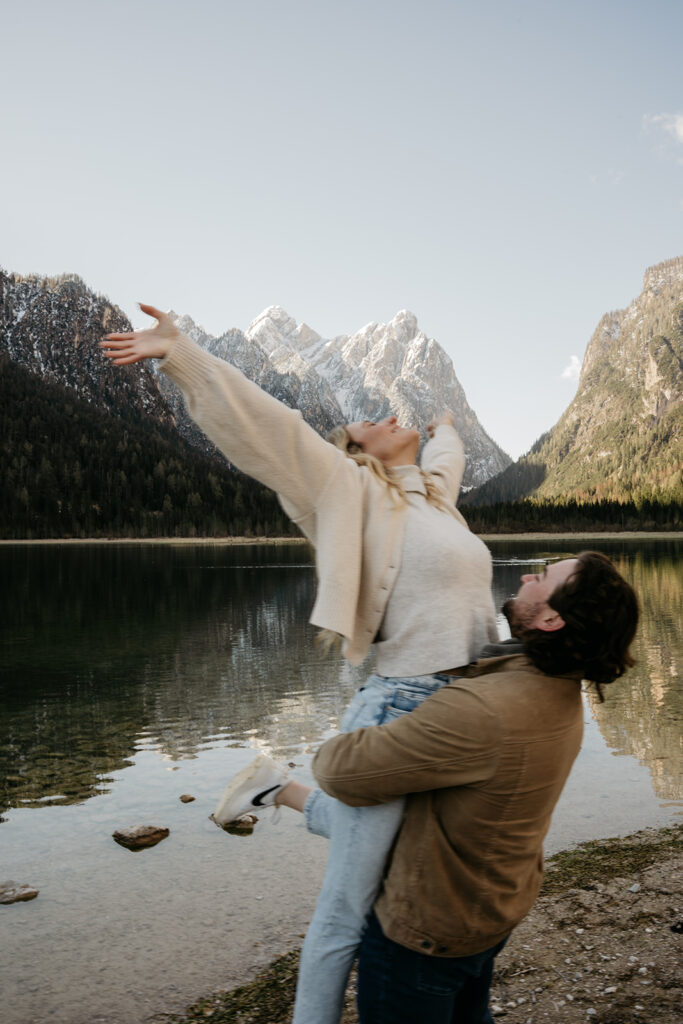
{"points": [[244, 826], [186, 798], [13, 892], [139, 837]]}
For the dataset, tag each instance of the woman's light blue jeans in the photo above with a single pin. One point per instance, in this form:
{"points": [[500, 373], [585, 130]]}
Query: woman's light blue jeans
{"points": [[360, 840]]}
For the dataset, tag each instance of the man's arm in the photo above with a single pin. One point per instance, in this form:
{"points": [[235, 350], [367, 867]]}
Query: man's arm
{"points": [[453, 739]]}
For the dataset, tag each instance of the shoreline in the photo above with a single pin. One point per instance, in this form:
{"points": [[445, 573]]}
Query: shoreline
{"points": [[180, 541], [276, 541], [618, 896]]}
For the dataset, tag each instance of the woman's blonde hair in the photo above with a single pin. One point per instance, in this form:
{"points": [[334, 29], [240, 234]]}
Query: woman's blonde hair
{"points": [[341, 439]]}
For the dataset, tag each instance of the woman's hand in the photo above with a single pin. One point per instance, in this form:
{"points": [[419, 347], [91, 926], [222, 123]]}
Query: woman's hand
{"points": [[154, 343], [446, 418]]}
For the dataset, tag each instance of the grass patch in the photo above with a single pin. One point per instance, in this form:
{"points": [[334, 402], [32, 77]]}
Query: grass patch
{"points": [[268, 999], [603, 859]]}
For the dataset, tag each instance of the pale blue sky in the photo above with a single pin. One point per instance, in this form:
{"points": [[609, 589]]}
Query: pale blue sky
{"points": [[505, 170]]}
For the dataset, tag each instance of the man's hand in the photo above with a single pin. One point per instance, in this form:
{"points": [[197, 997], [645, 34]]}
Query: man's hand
{"points": [[154, 343], [445, 418]]}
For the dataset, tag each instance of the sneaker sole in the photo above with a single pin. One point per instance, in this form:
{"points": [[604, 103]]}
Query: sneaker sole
{"points": [[243, 776]]}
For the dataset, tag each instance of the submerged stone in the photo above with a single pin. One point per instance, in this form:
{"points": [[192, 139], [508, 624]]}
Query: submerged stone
{"points": [[139, 837], [186, 798], [13, 892], [243, 826]]}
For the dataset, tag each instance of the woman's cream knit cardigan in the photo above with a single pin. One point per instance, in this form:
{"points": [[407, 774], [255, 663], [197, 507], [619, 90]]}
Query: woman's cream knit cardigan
{"points": [[348, 515]]}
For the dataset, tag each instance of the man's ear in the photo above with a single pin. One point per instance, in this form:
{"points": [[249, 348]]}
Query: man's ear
{"points": [[549, 620]]}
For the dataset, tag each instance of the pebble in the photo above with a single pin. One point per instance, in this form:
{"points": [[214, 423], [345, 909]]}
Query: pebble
{"points": [[186, 798], [634, 888]]}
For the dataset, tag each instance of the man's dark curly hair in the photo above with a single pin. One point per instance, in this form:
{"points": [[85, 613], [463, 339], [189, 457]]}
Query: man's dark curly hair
{"points": [[600, 611]]}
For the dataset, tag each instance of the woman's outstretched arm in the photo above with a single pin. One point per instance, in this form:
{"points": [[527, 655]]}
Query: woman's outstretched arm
{"points": [[259, 435], [134, 346]]}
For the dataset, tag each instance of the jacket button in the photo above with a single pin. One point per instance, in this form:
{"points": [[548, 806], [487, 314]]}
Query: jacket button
{"points": [[442, 949], [426, 944]]}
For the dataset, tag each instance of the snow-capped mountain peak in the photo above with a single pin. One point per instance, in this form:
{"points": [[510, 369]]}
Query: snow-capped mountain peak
{"points": [[382, 368]]}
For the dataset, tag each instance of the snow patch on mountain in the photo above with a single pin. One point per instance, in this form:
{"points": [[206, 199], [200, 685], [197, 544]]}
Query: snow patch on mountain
{"points": [[381, 369]]}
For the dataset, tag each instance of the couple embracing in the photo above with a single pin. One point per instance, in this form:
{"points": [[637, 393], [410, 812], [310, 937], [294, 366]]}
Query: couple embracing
{"points": [[438, 792]]}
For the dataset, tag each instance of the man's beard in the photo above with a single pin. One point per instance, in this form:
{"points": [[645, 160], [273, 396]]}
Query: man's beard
{"points": [[520, 618]]}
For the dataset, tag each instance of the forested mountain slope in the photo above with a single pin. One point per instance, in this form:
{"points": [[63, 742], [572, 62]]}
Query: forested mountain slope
{"points": [[621, 438], [70, 469]]}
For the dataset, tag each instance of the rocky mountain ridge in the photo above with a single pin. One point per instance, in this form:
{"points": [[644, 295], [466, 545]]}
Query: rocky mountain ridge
{"points": [[51, 326], [379, 370]]}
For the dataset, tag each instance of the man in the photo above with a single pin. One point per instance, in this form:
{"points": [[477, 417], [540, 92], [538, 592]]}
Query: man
{"points": [[485, 760]]}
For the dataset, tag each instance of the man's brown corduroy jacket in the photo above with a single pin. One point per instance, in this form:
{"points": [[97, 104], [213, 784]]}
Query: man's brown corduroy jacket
{"points": [[484, 760]]}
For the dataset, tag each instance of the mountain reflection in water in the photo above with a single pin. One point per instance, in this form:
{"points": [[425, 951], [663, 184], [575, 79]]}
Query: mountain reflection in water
{"points": [[108, 650]]}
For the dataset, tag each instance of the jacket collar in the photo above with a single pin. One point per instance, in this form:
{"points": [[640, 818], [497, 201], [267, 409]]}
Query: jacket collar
{"points": [[509, 656]]}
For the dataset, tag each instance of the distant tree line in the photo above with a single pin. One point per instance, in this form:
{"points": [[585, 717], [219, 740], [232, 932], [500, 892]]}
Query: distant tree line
{"points": [[71, 470], [547, 516]]}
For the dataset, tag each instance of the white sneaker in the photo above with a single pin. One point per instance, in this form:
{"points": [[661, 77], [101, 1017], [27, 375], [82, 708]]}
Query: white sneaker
{"points": [[255, 787]]}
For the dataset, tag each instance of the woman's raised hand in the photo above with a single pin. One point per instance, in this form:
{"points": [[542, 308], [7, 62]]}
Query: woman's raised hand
{"points": [[438, 421], [154, 343]]}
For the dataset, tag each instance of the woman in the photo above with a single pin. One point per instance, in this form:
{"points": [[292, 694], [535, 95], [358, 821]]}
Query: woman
{"points": [[398, 570]]}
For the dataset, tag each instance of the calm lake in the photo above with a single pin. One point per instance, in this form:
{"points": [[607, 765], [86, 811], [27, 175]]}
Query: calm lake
{"points": [[131, 674]]}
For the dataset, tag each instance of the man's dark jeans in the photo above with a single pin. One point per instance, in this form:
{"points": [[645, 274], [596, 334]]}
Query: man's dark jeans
{"points": [[398, 986]]}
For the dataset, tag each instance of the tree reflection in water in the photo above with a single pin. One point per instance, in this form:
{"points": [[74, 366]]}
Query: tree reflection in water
{"points": [[643, 711], [108, 650]]}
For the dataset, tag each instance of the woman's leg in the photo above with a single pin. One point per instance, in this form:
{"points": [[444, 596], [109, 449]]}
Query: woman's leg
{"points": [[294, 795], [360, 840], [367, 708]]}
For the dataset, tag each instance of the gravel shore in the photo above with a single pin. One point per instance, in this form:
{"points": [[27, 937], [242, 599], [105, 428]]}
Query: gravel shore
{"points": [[602, 944]]}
